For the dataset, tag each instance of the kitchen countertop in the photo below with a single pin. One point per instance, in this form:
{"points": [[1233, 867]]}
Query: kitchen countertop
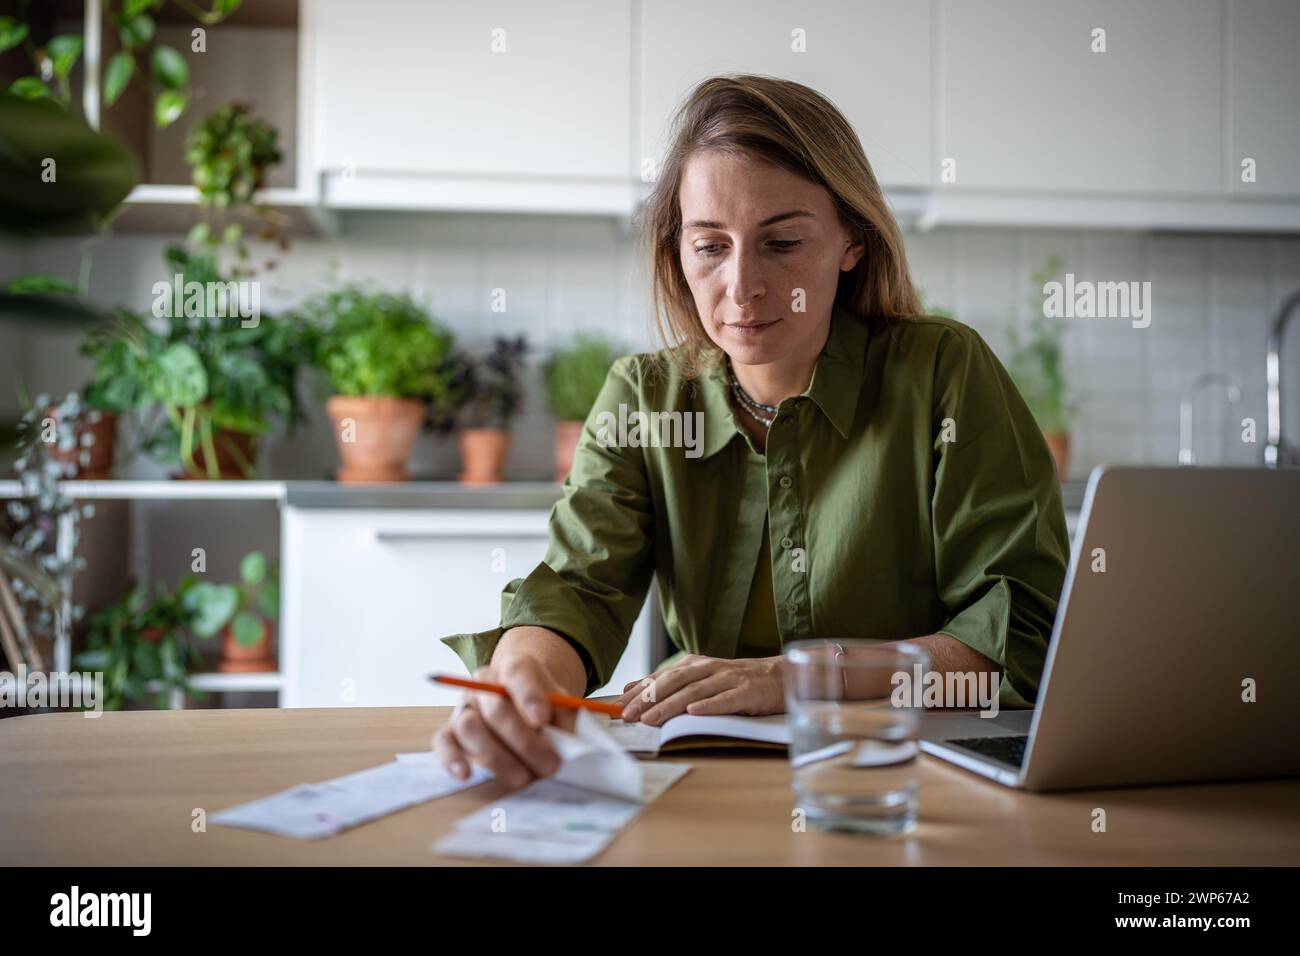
{"points": [[421, 494]]}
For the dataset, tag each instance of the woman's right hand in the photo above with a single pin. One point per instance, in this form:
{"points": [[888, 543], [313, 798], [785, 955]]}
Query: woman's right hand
{"points": [[504, 734]]}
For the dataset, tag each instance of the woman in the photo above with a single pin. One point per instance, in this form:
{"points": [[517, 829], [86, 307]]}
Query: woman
{"points": [[863, 470]]}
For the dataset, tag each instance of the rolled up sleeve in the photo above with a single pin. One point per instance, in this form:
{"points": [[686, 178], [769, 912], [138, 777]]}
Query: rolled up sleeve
{"points": [[1000, 540], [594, 578]]}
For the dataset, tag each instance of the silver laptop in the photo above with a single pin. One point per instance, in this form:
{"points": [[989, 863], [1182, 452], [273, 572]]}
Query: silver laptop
{"points": [[1153, 663]]}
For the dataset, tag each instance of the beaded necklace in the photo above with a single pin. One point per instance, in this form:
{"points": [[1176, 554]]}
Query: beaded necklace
{"points": [[759, 411]]}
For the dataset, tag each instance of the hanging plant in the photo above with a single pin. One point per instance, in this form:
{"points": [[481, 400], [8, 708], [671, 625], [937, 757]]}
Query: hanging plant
{"points": [[159, 68], [52, 442], [229, 153]]}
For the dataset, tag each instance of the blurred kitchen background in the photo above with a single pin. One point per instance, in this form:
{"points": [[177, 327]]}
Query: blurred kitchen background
{"points": [[455, 152]]}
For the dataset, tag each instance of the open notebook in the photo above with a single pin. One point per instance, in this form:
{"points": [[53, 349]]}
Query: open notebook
{"points": [[693, 731]]}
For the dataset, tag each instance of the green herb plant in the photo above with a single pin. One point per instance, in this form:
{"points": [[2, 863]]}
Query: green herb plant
{"points": [[575, 375], [1035, 363], [380, 344]]}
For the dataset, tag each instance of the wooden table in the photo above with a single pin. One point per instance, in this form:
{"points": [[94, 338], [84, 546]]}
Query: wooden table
{"points": [[122, 790]]}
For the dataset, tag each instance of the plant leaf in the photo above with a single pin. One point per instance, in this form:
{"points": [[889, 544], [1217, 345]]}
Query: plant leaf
{"points": [[213, 606], [184, 380], [168, 107], [40, 284], [117, 75], [30, 88], [252, 570], [64, 50], [248, 628], [169, 67], [136, 31], [268, 600], [12, 33]]}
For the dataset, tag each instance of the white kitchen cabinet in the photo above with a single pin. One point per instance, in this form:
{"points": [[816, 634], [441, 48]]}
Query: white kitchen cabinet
{"points": [[368, 592], [1026, 105], [870, 57], [1264, 96], [443, 104]]}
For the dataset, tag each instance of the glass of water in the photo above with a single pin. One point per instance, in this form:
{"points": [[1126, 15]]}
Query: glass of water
{"points": [[854, 731]]}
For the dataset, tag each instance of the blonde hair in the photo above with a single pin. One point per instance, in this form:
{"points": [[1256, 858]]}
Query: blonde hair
{"points": [[799, 130]]}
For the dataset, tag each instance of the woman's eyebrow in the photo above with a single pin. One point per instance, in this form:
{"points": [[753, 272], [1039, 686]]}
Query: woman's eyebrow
{"points": [[770, 220]]}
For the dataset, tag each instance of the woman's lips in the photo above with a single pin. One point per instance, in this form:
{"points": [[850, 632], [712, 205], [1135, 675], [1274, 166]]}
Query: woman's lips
{"points": [[751, 328]]}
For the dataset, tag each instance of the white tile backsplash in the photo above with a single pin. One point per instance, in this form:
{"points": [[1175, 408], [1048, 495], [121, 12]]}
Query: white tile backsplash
{"points": [[1214, 297]]}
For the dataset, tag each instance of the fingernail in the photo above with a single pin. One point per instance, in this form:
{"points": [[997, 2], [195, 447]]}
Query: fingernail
{"points": [[458, 769], [535, 712]]}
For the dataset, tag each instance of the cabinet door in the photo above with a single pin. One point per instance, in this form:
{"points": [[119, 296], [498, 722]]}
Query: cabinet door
{"points": [[500, 88], [1027, 104], [368, 593], [1264, 96], [869, 57]]}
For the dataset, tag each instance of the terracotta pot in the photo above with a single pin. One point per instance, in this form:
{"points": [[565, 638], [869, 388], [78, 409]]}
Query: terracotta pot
{"points": [[566, 443], [483, 455], [104, 433], [152, 635], [229, 467], [239, 658], [374, 435], [1058, 443]]}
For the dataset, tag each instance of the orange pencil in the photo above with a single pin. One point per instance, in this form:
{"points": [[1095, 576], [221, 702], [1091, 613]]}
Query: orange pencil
{"points": [[567, 701]]}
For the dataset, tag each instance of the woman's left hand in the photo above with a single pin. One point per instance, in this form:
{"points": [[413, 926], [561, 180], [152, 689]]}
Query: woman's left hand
{"points": [[706, 685]]}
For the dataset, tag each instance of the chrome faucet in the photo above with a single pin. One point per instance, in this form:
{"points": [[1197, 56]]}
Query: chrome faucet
{"points": [[1276, 452], [1186, 456]]}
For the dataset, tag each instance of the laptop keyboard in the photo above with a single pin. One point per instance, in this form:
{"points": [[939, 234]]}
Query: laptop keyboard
{"points": [[1009, 750]]}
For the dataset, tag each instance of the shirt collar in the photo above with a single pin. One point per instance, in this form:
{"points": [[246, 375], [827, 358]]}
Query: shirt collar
{"points": [[835, 385]]}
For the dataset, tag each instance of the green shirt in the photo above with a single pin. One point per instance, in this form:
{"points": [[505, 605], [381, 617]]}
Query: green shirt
{"points": [[908, 488], [760, 633]]}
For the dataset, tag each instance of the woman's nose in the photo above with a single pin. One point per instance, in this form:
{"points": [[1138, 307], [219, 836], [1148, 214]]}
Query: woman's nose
{"points": [[746, 280]]}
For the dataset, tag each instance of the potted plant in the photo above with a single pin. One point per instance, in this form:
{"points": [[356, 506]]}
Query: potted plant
{"points": [[219, 381], [486, 395], [143, 646], [117, 387], [242, 614], [387, 362], [574, 377], [229, 153], [86, 445], [1035, 366]]}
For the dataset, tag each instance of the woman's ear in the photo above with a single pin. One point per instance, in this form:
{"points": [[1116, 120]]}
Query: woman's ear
{"points": [[854, 248]]}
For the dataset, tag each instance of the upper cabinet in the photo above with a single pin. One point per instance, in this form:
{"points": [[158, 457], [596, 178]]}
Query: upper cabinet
{"points": [[446, 104], [1263, 88], [870, 57], [1110, 114], [1062, 97]]}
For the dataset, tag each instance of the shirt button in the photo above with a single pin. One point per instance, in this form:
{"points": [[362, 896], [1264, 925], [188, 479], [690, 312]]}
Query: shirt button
{"points": [[785, 481], [791, 606], [787, 542]]}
